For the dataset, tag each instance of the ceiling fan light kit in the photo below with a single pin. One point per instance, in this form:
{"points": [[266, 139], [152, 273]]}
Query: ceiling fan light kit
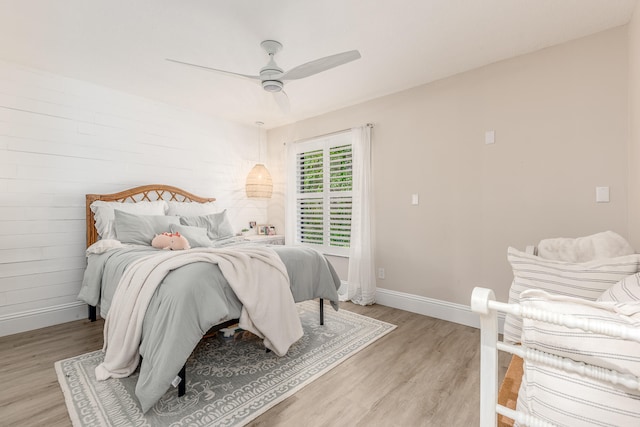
{"points": [[272, 85]]}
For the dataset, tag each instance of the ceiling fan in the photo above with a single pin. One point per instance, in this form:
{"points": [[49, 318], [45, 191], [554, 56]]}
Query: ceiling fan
{"points": [[272, 77]]}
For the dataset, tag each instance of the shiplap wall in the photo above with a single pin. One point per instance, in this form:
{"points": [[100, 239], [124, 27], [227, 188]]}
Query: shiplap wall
{"points": [[62, 138]]}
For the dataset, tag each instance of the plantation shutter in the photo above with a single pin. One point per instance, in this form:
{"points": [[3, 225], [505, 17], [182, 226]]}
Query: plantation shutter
{"points": [[340, 186], [324, 193], [310, 210]]}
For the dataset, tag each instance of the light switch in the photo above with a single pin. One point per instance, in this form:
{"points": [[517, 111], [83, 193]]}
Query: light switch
{"points": [[490, 137], [415, 199], [602, 194]]}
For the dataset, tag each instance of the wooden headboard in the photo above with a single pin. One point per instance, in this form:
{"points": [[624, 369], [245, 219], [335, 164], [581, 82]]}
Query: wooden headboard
{"points": [[138, 194]]}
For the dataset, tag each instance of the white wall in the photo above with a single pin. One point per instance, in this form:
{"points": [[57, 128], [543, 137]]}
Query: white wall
{"points": [[560, 116], [62, 138]]}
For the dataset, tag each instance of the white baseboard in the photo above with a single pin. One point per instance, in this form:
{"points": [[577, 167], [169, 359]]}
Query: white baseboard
{"points": [[439, 309], [452, 312], [39, 318]]}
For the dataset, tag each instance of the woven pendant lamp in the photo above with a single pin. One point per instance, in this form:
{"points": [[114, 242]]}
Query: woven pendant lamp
{"points": [[259, 183]]}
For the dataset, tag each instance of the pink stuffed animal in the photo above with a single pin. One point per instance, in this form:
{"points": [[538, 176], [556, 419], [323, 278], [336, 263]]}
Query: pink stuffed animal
{"points": [[170, 241]]}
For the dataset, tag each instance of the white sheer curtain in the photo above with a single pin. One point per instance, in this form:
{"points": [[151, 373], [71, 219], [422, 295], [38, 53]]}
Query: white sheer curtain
{"points": [[290, 194], [361, 286]]}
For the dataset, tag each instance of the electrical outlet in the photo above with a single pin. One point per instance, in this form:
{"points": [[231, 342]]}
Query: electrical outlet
{"points": [[381, 273]]}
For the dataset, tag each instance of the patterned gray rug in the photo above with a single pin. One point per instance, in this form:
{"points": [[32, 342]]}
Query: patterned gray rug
{"points": [[230, 381]]}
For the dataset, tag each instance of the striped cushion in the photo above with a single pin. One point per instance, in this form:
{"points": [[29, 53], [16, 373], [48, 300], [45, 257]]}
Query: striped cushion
{"points": [[595, 349], [628, 289], [586, 280], [568, 399]]}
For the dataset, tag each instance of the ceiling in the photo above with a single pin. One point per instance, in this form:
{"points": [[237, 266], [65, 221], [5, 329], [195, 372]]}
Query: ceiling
{"points": [[122, 44]]}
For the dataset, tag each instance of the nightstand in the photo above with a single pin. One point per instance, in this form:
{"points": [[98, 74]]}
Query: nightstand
{"points": [[277, 239]]}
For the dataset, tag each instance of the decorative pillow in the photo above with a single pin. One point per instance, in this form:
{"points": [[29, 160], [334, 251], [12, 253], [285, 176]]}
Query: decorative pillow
{"points": [[103, 212], [628, 289], [581, 346], [141, 229], [217, 225], [582, 249], [191, 208], [170, 241], [586, 280], [568, 399], [103, 245], [196, 236], [564, 398]]}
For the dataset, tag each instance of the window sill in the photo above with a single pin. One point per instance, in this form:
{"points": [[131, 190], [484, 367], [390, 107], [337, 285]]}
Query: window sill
{"points": [[334, 255], [325, 251]]}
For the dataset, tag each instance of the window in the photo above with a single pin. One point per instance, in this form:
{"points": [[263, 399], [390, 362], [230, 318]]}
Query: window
{"points": [[323, 193]]}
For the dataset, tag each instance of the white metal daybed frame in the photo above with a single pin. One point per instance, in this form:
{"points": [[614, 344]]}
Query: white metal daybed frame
{"points": [[483, 302]]}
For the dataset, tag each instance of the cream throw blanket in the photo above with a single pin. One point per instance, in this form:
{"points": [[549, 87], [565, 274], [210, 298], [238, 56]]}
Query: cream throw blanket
{"points": [[606, 244], [257, 276]]}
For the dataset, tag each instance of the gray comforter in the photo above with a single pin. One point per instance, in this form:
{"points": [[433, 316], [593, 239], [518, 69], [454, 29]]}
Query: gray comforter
{"points": [[190, 300]]}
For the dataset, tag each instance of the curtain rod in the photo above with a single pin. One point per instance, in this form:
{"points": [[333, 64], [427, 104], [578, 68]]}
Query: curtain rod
{"points": [[369, 125]]}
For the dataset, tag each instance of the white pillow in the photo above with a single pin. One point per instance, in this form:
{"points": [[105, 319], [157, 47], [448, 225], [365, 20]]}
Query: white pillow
{"points": [[588, 347], [582, 249], [628, 289], [191, 208], [568, 399], [586, 280], [103, 245], [564, 398], [104, 216]]}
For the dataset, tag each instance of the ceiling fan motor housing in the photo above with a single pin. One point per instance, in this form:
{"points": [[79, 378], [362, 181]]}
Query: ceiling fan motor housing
{"points": [[270, 73]]}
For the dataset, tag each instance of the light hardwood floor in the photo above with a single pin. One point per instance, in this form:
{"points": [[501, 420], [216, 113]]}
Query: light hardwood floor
{"points": [[424, 373]]}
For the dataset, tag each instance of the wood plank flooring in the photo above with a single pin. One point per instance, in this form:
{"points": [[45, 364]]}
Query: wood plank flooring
{"points": [[424, 373]]}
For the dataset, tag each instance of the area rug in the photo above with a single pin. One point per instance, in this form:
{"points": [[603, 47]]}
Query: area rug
{"points": [[230, 381]]}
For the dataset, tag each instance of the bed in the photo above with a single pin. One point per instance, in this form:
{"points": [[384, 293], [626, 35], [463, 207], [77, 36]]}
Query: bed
{"points": [[190, 300], [573, 328]]}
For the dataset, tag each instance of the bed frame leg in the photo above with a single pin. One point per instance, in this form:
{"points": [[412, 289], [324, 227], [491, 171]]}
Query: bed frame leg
{"points": [[92, 313], [182, 387]]}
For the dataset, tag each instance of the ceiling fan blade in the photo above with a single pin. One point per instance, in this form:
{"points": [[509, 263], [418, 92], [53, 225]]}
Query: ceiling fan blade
{"points": [[282, 99], [215, 69], [320, 65]]}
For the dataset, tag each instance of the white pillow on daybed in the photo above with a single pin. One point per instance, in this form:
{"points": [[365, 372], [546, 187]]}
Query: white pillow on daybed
{"points": [[564, 398], [586, 280], [595, 349], [627, 289]]}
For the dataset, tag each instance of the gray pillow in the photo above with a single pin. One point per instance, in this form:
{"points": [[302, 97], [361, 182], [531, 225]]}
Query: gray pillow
{"points": [[196, 236], [141, 229], [217, 224]]}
